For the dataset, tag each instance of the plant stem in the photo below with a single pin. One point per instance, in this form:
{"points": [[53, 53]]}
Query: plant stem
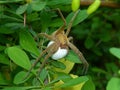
{"points": [[111, 4]]}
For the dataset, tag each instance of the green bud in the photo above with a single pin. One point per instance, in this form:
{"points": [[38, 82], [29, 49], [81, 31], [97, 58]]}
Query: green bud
{"points": [[75, 5], [93, 7]]}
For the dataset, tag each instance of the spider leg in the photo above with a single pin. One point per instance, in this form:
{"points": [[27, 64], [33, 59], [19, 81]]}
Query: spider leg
{"points": [[37, 60], [53, 48], [64, 22], [63, 18], [70, 39], [45, 35], [71, 22], [85, 63]]}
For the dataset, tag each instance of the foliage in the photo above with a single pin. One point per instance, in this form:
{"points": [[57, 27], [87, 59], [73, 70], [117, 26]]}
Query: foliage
{"points": [[98, 34]]}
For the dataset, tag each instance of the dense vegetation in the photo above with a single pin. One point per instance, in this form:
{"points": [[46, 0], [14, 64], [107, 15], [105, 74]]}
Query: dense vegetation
{"points": [[96, 35]]}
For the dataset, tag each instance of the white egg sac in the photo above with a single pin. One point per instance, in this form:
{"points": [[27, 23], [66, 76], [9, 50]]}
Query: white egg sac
{"points": [[60, 53]]}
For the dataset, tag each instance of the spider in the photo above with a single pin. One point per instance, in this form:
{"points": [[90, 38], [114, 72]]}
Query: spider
{"points": [[60, 42]]}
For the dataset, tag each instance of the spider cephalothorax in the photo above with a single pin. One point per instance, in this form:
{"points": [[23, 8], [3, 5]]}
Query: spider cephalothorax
{"points": [[60, 42], [61, 39]]}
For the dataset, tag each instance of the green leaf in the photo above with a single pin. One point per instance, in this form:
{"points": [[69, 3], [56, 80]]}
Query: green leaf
{"points": [[56, 23], [61, 76], [14, 24], [89, 85], [45, 16], [56, 2], [10, 27], [58, 64], [119, 72], [10, 1], [37, 6], [82, 15], [47, 88], [4, 59], [6, 30], [19, 77], [75, 81], [99, 70], [73, 57], [89, 43], [15, 88], [11, 18], [22, 9], [115, 51], [43, 74], [27, 42], [113, 84], [33, 17], [19, 57]]}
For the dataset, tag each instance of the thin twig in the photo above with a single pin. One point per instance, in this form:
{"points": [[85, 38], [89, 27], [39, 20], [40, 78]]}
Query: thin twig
{"points": [[111, 4]]}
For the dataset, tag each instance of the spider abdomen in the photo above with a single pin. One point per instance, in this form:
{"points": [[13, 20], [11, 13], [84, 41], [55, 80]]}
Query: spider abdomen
{"points": [[60, 53]]}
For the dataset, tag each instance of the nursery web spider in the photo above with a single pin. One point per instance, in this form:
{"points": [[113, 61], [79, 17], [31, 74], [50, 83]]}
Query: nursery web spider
{"points": [[59, 40]]}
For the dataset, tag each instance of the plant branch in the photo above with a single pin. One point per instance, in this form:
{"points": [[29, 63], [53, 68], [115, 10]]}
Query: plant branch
{"points": [[111, 4]]}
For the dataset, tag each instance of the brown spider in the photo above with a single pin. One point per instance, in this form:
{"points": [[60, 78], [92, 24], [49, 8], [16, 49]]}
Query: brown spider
{"points": [[60, 40]]}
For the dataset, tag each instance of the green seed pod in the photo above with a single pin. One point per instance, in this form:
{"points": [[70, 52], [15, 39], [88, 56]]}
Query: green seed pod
{"points": [[75, 5], [93, 7]]}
